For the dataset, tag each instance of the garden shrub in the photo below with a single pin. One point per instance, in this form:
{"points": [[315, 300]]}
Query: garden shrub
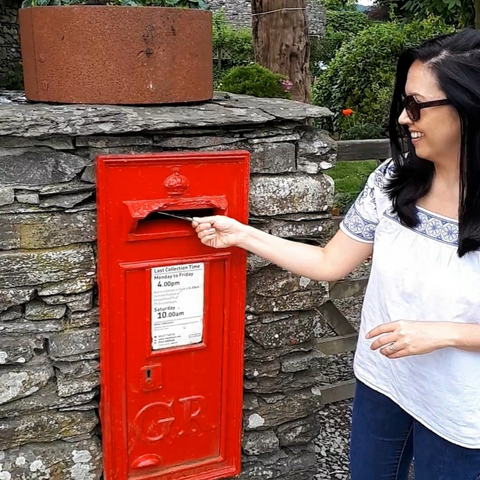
{"points": [[235, 41], [341, 27], [362, 73], [257, 81]]}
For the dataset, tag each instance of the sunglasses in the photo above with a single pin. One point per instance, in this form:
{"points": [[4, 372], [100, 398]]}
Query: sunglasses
{"points": [[414, 108]]}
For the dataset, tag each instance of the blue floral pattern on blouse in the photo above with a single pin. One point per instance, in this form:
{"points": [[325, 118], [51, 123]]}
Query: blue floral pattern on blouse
{"points": [[433, 226], [359, 226]]}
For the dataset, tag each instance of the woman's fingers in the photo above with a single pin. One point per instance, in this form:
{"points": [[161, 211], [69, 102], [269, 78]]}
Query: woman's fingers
{"points": [[206, 233], [383, 340], [203, 227]]}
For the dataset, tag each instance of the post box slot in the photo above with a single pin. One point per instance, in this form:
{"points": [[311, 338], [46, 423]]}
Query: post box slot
{"points": [[146, 222], [155, 221], [155, 216]]}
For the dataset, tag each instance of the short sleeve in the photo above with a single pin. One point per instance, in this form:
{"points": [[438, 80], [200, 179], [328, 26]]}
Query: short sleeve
{"points": [[363, 216]]}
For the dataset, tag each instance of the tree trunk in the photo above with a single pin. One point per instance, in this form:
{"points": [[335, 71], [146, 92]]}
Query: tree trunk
{"points": [[477, 14], [280, 37]]}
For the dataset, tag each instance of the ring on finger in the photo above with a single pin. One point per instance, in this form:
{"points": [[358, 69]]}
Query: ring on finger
{"points": [[392, 348]]}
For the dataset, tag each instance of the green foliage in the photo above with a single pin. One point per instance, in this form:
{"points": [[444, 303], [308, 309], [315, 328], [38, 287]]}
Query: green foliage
{"points": [[200, 4], [339, 4], [232, 46], [361, 75], [342, 26], [346, 21], [460, 13], [350, 178], [255, 80]]}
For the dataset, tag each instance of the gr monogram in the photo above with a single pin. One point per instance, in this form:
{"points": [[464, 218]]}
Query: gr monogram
{"points": [[185, 416]]}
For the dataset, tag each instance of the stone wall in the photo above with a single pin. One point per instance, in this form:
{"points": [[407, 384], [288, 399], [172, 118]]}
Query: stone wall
{"points": [[9, 42], [239, 12], [49, 349]]}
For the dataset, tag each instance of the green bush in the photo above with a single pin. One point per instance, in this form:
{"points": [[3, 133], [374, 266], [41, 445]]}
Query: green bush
{"points": [[362, 73], [346, 21], [255, 80], [234, 46], [342, 26], [339, 4]]}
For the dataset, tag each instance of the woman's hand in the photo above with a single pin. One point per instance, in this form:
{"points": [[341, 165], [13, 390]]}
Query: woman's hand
{"points": [[411, 338], [219, 231]]}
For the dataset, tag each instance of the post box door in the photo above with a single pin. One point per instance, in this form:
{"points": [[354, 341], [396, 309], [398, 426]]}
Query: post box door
{"points": [[172, 317]]}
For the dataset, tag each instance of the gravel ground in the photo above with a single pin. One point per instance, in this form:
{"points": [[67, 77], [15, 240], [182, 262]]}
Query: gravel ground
{"points": [[331, 445]]}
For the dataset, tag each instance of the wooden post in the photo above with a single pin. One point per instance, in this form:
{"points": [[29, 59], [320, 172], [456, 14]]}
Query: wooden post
{"points": [[280, 38]]}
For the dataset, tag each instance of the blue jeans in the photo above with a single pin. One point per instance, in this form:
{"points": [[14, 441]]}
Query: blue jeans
{"points": [[385, 439]]}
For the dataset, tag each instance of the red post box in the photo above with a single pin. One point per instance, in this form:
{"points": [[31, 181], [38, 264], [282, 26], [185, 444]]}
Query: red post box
{"points": [[172, 316]]}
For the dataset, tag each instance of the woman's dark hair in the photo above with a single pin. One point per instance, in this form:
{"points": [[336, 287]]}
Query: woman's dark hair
{"points": [[455, 61]]}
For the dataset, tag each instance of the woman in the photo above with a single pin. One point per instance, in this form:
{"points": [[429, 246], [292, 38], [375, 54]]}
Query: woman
{"points": [[418, 356]]}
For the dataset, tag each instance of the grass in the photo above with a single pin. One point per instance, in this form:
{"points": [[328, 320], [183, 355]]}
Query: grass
{"points": [[350, 178]]}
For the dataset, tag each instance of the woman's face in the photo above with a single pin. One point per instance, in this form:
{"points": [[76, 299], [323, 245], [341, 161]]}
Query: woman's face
{"points": [[436, 136]]}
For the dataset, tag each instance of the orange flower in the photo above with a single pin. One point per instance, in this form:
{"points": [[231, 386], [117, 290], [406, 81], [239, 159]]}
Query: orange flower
{"points": [[347, 112]]}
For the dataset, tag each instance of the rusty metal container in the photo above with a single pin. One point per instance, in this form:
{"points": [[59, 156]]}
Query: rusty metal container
{"points": [[116, 55]]}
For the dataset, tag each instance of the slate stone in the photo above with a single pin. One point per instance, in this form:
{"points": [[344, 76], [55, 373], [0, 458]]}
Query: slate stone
{"points": [[14, 296], [38, 167], [273, 158], [257, 443], [38, 310], [16, 383], [56, 460], [67, 287], [299, 432], [74, 343], [283, 382], [105, 141], [81, 302], [45, 427], [11, 313], [257, 353], [7, 196], [46, 230], [295, 463], [82, 319], [292, 194], [22, 268], [194, 142], [317, 152], [64, 201], [275, 290], [25, 327], [45, 400], [57, 143], [292, 406], [40, 120], [77, 377], [19, 350], [28, 198], [297, 362], [285, 330]]}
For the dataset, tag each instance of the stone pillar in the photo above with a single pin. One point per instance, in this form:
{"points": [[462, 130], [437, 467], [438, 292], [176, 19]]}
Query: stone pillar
{"points": [[49, 350]]}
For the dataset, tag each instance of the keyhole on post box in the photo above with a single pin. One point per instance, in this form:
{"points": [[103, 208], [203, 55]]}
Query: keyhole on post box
{"points": [[149, 375]]}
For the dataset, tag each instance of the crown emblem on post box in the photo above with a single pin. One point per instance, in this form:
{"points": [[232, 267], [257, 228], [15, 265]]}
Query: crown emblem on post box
{"points": [[176, 184]]}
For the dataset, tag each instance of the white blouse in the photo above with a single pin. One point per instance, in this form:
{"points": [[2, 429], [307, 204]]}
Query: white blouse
{"points": [[417, 275]]}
